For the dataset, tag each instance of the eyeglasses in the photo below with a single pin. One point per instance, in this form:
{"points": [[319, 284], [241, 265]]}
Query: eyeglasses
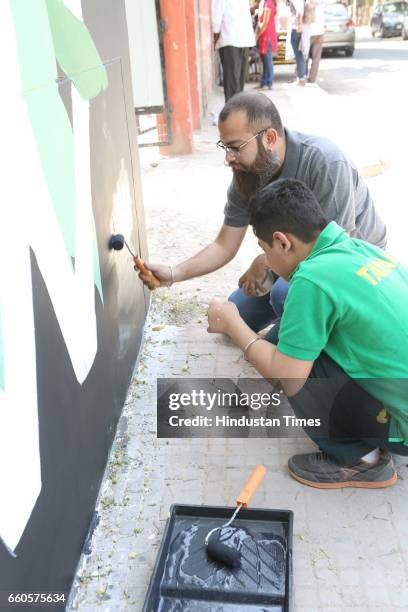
{"points": [[236, 151]]}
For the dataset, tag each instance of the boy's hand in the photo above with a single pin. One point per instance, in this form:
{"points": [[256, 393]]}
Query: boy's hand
{"points": [[220, 316]]}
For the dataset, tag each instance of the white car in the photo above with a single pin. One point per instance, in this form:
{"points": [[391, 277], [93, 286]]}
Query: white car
{"points": [[339, 30], [404, 32]]}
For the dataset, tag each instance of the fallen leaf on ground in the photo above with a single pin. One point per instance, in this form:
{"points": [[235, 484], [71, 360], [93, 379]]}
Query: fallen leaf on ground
{"points": [[158, 327]]}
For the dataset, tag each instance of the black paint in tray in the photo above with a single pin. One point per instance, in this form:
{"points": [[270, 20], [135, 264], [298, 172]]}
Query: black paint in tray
{"points": [[185, 579]]}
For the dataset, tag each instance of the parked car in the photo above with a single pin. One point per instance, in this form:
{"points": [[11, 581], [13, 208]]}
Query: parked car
{"points": [[404, 32], [388, 19], [339, 30]]}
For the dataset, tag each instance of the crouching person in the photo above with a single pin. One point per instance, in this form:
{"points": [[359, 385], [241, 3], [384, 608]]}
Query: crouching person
{"points": [[345, 321]]}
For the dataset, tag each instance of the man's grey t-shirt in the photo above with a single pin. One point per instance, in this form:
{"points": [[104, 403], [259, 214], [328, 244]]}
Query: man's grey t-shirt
{"points": [[335, 181]]}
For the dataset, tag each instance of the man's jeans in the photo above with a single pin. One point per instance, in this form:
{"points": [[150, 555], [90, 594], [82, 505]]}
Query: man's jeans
{"points": [[259, 312]]}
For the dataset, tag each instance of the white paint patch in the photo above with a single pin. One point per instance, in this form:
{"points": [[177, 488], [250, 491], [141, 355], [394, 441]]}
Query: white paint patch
{"points": [[122, 223], [20, 479], [75, 6], [71, 293], [122, 217], [28, 219]]}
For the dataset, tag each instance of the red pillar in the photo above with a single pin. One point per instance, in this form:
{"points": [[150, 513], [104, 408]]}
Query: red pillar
{"points": [[177, 77], [193, 60], [206, 52]]}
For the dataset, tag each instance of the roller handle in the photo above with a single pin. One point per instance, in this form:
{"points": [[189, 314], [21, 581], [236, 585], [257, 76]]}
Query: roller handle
{"points": [[140, 265], [251, 485]]}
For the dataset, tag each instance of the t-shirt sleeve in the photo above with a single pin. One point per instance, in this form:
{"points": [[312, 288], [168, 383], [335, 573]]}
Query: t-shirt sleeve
{"points": [[333, 186], [236, 212], [307, 322]]}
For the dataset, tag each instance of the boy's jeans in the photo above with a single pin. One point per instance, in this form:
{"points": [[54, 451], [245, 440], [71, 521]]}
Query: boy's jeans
{"points": [[259, 312]]}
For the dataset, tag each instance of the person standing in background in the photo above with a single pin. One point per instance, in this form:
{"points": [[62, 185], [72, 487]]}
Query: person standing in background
{"points": [[316, 39], [267, 41], [297, 10], [233, 36]]}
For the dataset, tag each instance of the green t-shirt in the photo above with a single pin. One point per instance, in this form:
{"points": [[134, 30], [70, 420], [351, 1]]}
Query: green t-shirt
{"points": [[350, 299]]}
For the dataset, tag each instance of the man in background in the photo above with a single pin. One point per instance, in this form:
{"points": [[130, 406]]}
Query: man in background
{"points": [[233, 36]]}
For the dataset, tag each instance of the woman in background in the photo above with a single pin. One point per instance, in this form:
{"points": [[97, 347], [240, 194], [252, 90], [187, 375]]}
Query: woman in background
{"points": [[299, 38], [267, 40]]}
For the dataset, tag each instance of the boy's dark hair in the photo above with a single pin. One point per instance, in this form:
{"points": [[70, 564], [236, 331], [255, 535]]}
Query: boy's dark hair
{"points": [[259, 109], [286, 205]]}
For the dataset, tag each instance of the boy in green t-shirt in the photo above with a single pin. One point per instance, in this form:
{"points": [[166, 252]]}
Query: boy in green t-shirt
{"points": [[341, 350]]}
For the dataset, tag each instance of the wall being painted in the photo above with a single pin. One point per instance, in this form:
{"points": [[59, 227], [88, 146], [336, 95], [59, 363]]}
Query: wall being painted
{"points": [[71, 311]]}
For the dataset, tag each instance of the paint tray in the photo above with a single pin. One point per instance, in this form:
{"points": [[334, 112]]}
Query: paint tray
{"points": [[185, 579]]}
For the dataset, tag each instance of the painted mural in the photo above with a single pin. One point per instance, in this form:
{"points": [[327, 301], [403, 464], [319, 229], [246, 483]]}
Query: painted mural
{"points": [[57, 223], [50, 267]]}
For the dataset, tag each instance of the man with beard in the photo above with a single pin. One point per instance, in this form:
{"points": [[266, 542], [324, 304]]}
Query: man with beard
{"points": [[259, 150]]}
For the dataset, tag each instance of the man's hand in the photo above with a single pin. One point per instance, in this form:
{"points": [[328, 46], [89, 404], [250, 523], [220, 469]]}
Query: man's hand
{"points": [[163, 273], [251, 281], [221, 315]]}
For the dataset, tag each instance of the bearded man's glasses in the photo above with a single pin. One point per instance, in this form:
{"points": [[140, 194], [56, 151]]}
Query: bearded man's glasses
{"points": [[236, 151]]}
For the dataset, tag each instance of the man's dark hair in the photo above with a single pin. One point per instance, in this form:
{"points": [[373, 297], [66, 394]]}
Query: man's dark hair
{"points": [[259, 109], [286, 205]]}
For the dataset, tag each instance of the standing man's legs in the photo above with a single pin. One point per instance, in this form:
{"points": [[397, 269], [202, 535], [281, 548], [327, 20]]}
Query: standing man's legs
{"points": [[244, 67], [234, 65], [316, 46], [300, 60]]}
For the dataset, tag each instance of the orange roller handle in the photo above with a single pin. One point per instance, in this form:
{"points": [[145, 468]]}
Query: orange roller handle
{"points": [[140, 265], [251, 485]]}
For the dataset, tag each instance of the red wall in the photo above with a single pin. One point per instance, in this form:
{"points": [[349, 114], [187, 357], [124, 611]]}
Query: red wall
{"points": [[188, 56], [206, 51]]}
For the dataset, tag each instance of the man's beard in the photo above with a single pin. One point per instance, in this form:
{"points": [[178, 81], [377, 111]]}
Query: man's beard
{"points": [[265, 167]]}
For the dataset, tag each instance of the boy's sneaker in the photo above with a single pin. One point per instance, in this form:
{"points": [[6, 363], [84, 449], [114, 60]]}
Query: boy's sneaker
{"points": [[319, 470]]}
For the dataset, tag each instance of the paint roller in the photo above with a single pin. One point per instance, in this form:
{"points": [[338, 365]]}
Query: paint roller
{"points": [[215, 546], [117, 242]]}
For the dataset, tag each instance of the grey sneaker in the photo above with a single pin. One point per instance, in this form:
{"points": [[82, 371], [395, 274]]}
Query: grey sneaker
{"points": [[319, 470]]}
